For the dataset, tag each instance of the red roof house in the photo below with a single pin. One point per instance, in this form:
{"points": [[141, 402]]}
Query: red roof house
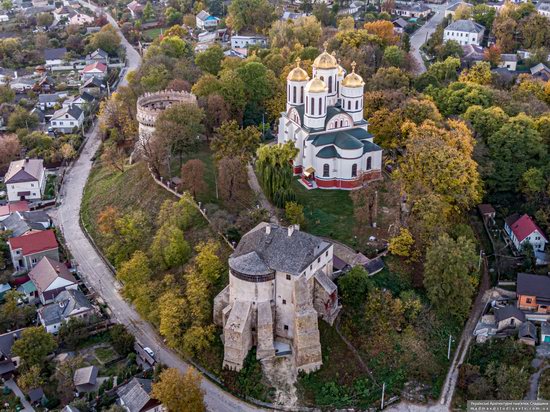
{"points": [[523, 229], [19, 206], [27, 250], [97, 69]]}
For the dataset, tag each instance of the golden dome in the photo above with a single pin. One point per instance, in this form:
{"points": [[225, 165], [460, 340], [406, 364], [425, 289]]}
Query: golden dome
{"points": [[325, 60], [353, 79], [297, 74], [316, 85]]}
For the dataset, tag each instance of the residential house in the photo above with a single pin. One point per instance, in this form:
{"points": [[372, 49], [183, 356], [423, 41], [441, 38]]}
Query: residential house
{"points": [[55, 57], [543, 9], [27, 250], [93, 86], [22, 84], [49, 100], [135, 396], [46, 84], [25, 179], [399, 25], [509, 61], [136, 9], [540, 71], [27, 291], [242, 42], [508, 317], [80, 19], [12, 207], [68, 304], [523, 230], [67, 119], [97, 70], [83, 101], [21, 223], [289, 15], [450, 11], [85, 379], [464, 32], [240, 53], [98, 56], [205, 21], [545, 332], [527, 333], [50, 278], [533, 292], [412, 10], [8, 362]]}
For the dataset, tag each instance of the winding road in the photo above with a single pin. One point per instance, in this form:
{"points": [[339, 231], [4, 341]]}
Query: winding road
{"points": [[97, 275]]}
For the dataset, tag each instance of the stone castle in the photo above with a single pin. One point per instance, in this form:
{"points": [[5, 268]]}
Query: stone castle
{"points": [[280, 282], [151, 105]]}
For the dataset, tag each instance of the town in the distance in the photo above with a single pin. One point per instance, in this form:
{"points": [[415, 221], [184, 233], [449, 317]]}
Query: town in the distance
{"points": [[253, 205]]}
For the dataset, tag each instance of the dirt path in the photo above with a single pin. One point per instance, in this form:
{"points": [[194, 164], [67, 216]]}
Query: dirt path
{"points": [[257, 189], [532, 395]]}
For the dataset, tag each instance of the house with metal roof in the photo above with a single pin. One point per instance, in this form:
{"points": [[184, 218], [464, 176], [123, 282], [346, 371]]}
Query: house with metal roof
{"points": [[55, 57], [27, 250], [8, 362], [50, 278], [205, 21], [533, 292], [21, 223], [68, 304], [523, 230], [25, 180], [464, 32], [135, 396], [85, 379], [67, 119], [96, 69], [509, 317]]}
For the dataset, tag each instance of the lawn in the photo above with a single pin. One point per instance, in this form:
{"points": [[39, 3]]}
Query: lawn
{"points": [[328, 212], [105, 354], [151, 34]]}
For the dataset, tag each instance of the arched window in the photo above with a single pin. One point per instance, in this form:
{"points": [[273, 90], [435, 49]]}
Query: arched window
{"points": [[349, 105], [307, 106], [302, 95], [369, 163], [354, 170], [341, 123], [330, 84], [326, 170], [356, 104], [312, 105], [320, 105], [294, 94]]}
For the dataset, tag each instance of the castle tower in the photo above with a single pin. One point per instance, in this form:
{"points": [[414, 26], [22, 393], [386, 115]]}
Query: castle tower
{"points": [[352, 95], [325, 67], [316, 103], [295, 86]]}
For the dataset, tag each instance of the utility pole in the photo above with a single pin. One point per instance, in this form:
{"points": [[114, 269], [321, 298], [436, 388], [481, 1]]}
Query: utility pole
{"points": [[383, 392], [449, 348]]}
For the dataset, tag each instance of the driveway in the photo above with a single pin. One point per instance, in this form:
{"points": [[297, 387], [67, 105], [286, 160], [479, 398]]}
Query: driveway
{"points": [[15, 389], [423, 34]]}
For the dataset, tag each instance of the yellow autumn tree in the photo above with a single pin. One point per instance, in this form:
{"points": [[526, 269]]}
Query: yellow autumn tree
{"points": [[383, 29], [401, 244], [180, 392]]}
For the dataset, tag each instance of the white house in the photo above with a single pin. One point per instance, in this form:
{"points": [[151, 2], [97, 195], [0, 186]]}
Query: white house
{"points": [[55, 57], [324, 120], [464, 32], [98, 55], [22, 84], [50, 278], [206, 21], [96, 69], [66, 119], [509, 61], [242, 42], [49, 100], [409, 10], [543, 9], [522, 230], [82, 101], [68, 304], [27, 250], [25, 179]]}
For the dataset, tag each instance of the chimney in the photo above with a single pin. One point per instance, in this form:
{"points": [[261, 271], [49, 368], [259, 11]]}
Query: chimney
{"points": [[27, 159], [292, 228], [268, 229]]}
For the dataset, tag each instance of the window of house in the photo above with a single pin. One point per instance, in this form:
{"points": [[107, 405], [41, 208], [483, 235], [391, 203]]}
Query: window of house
{"points": [[528, 300], [354, 170], [369, 163], [32, 184], [284, 301], [320, 105], [310, 267], [318, 260], [287, 277], [326, 170], [326, 253], [286, 327]]}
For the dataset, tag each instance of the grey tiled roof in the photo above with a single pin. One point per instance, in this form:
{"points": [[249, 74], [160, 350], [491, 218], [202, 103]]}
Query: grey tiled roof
{"points": [[6, 341], [64, 303], [508, 312], [55, 54], [24, 170], [86, 376], [533, 285], [527, 330], [135, 394], [277, 250], [468, 26], [73, 111], [18, 225]]}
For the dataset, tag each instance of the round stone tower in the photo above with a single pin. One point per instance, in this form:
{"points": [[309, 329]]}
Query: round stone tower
{"points": [[151, 105]]}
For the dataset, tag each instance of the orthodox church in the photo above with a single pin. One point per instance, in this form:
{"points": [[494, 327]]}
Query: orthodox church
{"points": [[324, 119]]}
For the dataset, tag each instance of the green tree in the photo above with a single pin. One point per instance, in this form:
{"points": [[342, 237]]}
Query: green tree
{"points": [[294, 213], [135, 274], [394, 56], [6, 94], [148, 11], [515, 147], [106, 39], [210, 60], [258, 82], [479, 73], [486, 122], [31, 378], [179, 392], [389, 78], [122, 340], [234, 141], [275, 171], [450, 276], [72, 333], [457, 97], [33, 346], [175, 47], [13, 316], [353, 287], [22, 119], [254, 15], [181, 214], [402, 244], [484, 15], [169, 248], [172, 16]]}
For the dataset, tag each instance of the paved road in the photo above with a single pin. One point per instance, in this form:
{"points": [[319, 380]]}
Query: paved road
{"points": [[97, 275], [423, 34]]}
